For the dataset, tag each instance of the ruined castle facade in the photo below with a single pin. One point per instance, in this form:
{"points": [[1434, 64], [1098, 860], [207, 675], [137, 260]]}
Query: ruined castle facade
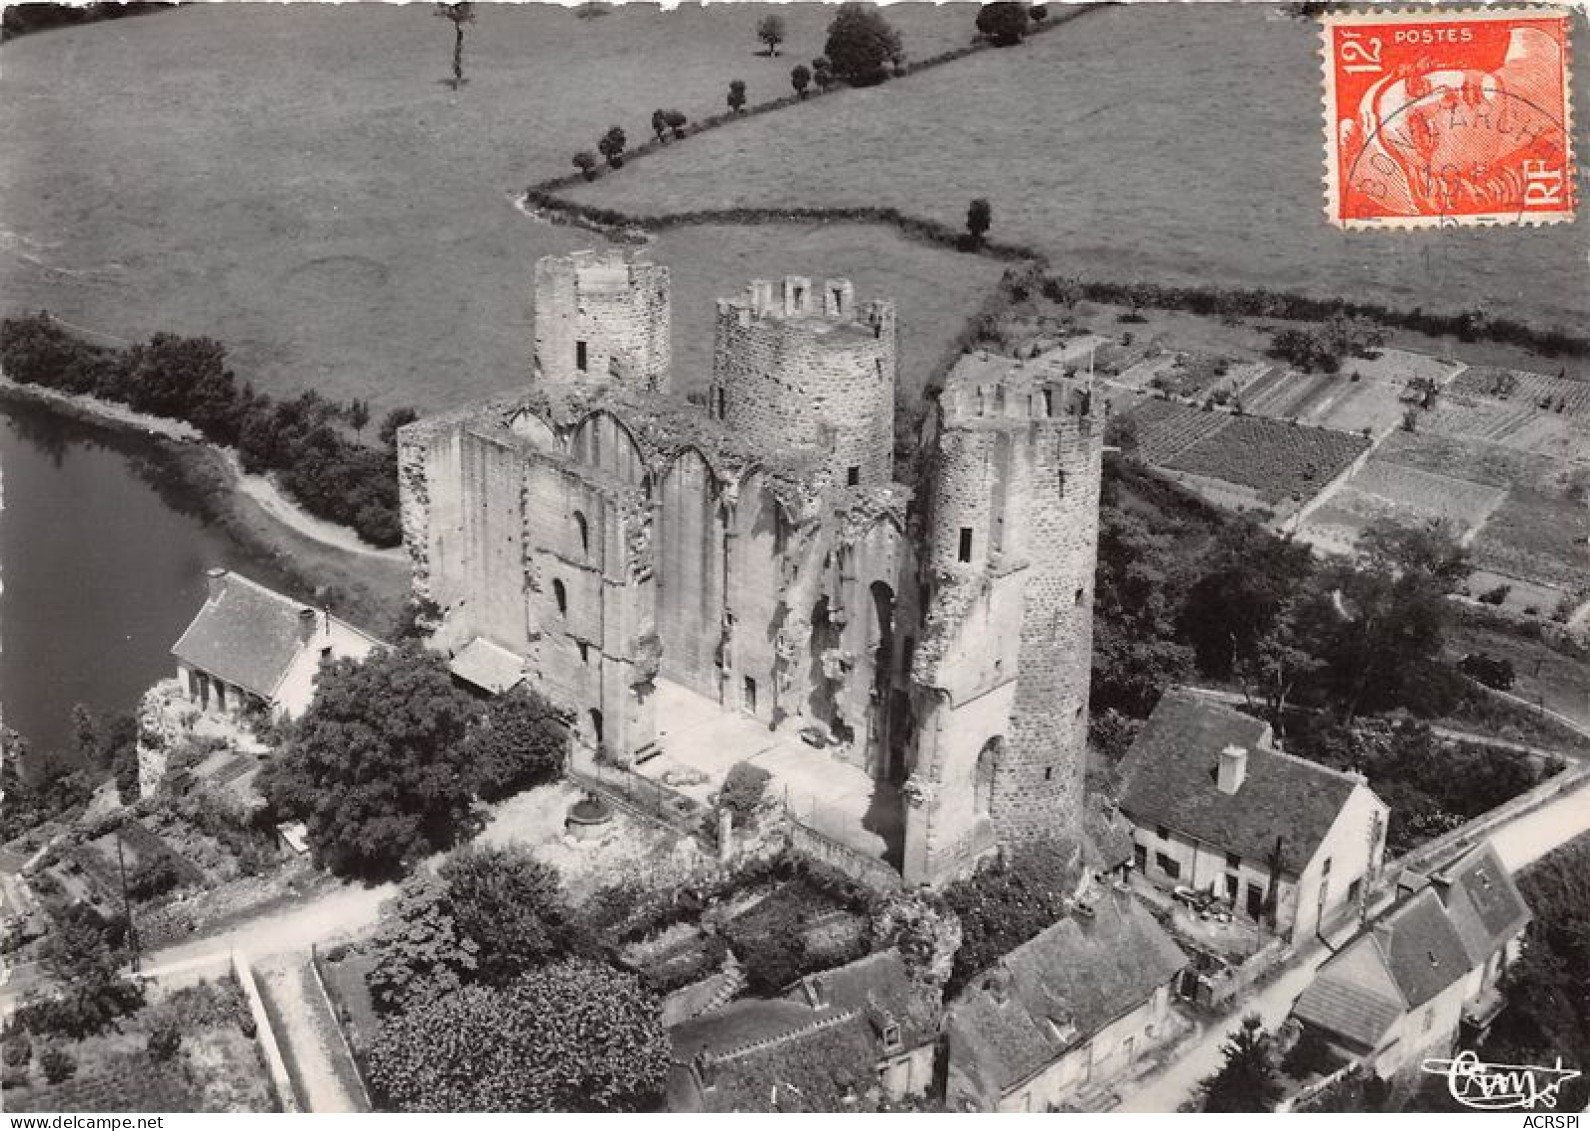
{"points": [[758, 550]]}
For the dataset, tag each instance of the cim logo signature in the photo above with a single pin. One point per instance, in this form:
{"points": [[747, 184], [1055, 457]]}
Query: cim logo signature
{"points": [[1503, 1087]]}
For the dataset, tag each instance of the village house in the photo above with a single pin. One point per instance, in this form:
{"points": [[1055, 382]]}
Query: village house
{"points": [[251, 649], [1405, 988], [861, 1031], [1215, 807], [1066, 1014]]}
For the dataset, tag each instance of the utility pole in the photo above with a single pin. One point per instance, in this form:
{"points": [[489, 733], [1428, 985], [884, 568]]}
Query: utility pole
{"points": [[126, 903]]}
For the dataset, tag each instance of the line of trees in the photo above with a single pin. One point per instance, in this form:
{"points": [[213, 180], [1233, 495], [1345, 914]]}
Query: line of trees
{"points": [[312, 443]]}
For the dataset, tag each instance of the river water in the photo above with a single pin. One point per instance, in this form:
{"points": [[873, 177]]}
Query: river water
{"points": [[102, 559]]}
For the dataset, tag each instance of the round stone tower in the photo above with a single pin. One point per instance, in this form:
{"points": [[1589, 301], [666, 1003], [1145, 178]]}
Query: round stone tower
{"points": [[1004, 664], [805, 365], [602, 315]]}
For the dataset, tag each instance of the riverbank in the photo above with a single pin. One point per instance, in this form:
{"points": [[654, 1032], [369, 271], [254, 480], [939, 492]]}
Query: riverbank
{"points": [[322, 562]]}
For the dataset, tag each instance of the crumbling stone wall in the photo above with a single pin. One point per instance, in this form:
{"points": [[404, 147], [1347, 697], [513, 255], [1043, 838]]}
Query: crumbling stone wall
{"points": [[1012, 522], [602, 314], [808, 366]]}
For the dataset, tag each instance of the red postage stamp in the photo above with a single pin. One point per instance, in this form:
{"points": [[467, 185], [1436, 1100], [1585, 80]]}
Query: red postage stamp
{"points": [[1447, 117]]}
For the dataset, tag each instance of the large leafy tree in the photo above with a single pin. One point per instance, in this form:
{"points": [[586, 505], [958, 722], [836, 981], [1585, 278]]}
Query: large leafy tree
{"points": [[509, 908], [861, 44], [1004, 22], [419, 953], [377, 768], [1138, 583], [520, 744], [1377, 624], [1248, 1079], [574, 1036], [1246, 582]]}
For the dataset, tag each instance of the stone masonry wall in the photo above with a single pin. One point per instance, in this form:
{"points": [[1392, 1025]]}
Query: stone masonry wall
{"points": [[804, 367], [619, 307]]}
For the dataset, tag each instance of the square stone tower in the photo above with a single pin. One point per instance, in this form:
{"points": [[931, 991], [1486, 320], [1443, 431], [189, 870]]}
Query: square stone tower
{"points": [[602, 315]]}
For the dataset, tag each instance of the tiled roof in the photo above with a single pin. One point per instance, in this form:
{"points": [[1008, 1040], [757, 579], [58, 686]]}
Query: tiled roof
{"points": [[1482, 901], [487, 666], [823, 1050], [1338, 1006], [1055, 991], [1404, 959], [1169, 779], [1424, 954], [247, 636]]}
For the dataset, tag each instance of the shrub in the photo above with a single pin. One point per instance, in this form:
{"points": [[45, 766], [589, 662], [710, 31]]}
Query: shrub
{"points": [[979, 218], [737, 95], [17, 1050], [1497, 595], [1004, 905], [800, 78], [58, 1065], [153, 876], [165, 1042], [676, 122], [13, 1077], [743, 790]]}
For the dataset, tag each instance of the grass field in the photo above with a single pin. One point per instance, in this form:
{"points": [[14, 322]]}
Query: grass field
{"points": [[1406, 495], [298, 182], [1141, 141]]}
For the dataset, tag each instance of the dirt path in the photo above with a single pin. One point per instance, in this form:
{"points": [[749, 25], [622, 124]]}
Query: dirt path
{"points": [[273, 502], [317, 1060]]}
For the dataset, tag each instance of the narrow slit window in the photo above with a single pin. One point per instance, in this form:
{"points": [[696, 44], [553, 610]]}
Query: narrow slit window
{"points": [[966, 544]]}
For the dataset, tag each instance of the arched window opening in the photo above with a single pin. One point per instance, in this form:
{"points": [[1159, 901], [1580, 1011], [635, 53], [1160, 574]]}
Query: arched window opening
{"points": [[983, 776], [561, 595], [585, 533]]}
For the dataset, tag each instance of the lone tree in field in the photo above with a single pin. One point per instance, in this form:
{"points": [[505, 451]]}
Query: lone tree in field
{"points": [[861, 44], [612, 146], [737, 95], [461, 14], [585, 161], [659, 124], [800, 78], [771, 32], [1003, 23], [979, 218], [676, 121]]}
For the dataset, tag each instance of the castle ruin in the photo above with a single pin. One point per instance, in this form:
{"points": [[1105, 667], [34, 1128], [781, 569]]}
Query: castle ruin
{"points": [[620, 545]]}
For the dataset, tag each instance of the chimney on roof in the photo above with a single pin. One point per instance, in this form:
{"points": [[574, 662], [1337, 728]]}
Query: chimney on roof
{"points": [[308, 621], [215, 582], [1233, 768]]}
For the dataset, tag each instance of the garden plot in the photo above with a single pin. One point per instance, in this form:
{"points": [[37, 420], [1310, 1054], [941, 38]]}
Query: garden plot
{"points": [[1406, 495], [217, 1068], [1165, 428], [1282, 463], [1512, 424], [1542, 531], [1538, 390]]}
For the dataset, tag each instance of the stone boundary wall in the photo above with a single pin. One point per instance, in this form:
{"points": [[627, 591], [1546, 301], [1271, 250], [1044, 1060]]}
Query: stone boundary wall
{"points": [[863, 869], [1443, 848], [342, 1033], [275, 1064]]}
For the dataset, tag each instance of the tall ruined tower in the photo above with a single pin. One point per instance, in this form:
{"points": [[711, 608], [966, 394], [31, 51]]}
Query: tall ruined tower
{"points": [[805, 365], [602, 315], [1001, 676]]}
